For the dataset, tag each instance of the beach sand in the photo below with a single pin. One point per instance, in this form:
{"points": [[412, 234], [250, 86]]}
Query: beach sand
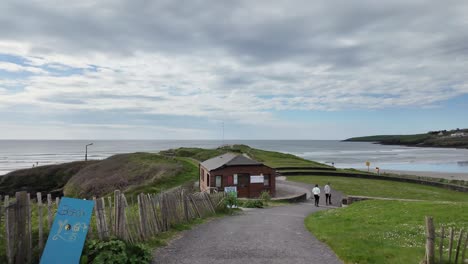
{"points": [[444, 175]]}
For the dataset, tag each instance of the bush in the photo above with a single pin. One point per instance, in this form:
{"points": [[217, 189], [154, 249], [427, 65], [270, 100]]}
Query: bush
{"points": [[231, 201], [266, 198], [115, 251], [253, 204]]}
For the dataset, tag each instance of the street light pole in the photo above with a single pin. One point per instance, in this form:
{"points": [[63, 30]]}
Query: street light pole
{"points": [[86, 152]]}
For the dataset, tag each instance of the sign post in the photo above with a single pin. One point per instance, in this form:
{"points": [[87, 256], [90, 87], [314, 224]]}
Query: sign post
{"points": [[368, 165], [68, 232]]}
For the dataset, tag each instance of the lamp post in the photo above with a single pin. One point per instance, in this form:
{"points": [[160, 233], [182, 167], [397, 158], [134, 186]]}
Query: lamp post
{"points": [[86, 153]]}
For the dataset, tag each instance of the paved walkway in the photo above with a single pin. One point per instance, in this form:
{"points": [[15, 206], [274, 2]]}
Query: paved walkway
{"points": [[272, 235]]}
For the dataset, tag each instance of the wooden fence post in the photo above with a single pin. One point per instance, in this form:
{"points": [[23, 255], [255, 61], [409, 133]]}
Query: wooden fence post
{"points": [[430, 235], [111, 218], [450, 245], [117, 212], [49, 211], [464, 249], [8, 233], [39, 214], [29, 208], [457, 252], [142, 215], [22, 251], [441, 245]]}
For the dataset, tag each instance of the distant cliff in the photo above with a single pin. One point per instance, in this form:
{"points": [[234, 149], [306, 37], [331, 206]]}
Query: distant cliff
{"points": [[457, 138]]}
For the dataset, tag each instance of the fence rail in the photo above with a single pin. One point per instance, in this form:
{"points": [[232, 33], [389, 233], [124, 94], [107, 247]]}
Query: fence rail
{"points": [[455, 246], [26, 220]]}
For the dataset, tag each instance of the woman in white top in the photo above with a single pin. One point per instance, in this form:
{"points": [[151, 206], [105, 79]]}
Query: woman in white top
{"points": [[316, 192]]}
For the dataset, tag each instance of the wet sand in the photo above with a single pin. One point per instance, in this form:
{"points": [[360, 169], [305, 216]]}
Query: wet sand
{"points": [[444, 175]]}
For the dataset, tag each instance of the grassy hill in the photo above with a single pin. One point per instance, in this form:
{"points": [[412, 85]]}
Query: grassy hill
{"points": [[135, 172], [453, 138], [49, 178], [270, 158]]}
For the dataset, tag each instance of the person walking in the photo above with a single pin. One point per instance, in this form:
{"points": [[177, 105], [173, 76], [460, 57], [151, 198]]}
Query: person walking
{"points": [[327, 190], [316, 192]]}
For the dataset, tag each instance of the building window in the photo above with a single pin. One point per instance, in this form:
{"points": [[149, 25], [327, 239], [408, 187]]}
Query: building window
{"points": [[266, 180], [218, 181], [208, 180], [235, 179]]}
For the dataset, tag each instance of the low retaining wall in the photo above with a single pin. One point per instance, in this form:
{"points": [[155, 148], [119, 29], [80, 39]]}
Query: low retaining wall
{"points": [[292, 199], [387, 178], [305, 168], [352, 199]]}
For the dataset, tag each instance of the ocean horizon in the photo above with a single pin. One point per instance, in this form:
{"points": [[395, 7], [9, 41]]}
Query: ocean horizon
{"points": [[21, 154]]}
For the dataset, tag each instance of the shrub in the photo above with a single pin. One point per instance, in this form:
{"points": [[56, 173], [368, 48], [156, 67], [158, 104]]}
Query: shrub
{"points": [[231, 201], [266, 198], [253, 204], [115, 251]]}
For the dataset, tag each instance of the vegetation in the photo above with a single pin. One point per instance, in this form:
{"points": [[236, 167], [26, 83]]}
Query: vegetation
{"points": [[382, 188], [442, 138], [383, 231], [131, 173], [115, 251], [270, 158], [251, 203], [49, 178], [231, 201], [265, 197]]}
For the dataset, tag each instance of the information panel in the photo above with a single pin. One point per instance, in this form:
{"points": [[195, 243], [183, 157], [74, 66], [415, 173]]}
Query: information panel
{"points": [[256, 179], [68, 233]]}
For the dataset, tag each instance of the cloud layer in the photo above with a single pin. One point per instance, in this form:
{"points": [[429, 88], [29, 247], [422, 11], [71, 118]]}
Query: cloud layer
{"points": [[240, 61]]}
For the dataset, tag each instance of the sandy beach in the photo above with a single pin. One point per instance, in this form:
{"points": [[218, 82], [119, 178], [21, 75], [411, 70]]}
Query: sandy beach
{"points": [[444, 175]]}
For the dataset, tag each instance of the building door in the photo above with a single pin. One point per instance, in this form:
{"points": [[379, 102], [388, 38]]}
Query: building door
{"points": [[243, 185], [229, 181]]}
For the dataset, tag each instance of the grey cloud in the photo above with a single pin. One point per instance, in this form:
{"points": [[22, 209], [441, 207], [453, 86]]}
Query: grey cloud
{"points": [[397, 49]]}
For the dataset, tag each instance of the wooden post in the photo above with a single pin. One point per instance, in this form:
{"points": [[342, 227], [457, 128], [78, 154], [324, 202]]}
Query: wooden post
{"points": [[117, 212], [29, 208], [111, 219], [9, 251], [195, 206], [450, 245], [430, 235], [464, 249], [57, 201], [142, 215], [49, 211], [441, 245], [22, 251], [185, 205], [457, 252], [39, 214]]}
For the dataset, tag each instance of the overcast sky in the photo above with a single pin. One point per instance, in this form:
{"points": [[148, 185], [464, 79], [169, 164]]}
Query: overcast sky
{"points": [[130, 69]]}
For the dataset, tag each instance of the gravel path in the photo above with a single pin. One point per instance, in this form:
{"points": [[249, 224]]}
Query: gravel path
{"points": [[272, 235]]}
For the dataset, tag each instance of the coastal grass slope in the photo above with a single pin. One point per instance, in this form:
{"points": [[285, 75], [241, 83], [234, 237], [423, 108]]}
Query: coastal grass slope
{"points": [[457, 138]]}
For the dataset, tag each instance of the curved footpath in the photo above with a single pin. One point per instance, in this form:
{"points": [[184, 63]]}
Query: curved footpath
{"points": [[271, 235]]}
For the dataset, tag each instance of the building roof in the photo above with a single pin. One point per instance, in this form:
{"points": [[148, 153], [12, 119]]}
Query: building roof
{"points": [[228, 159]]}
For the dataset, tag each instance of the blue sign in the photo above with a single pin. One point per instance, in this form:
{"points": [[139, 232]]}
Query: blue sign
{"points": [[68, 232]]}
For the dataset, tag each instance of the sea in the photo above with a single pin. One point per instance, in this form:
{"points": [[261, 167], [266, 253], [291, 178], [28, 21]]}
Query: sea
{"points": [[19, 154]]}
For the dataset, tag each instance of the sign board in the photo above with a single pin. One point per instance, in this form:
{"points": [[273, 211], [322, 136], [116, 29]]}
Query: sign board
{"points": [[231, 189], [256, 179], [68, 232], [367, 163]]}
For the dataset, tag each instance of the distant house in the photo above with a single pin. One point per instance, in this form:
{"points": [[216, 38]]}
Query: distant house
{"points": [[458, 134], [250, 177]]}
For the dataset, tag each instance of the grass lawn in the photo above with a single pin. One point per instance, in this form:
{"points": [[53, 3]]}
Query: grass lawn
{"points": [[381, 188], [383, 231]]}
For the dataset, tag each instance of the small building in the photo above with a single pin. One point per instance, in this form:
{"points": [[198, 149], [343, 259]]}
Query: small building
{"points": [[250, 177]]}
